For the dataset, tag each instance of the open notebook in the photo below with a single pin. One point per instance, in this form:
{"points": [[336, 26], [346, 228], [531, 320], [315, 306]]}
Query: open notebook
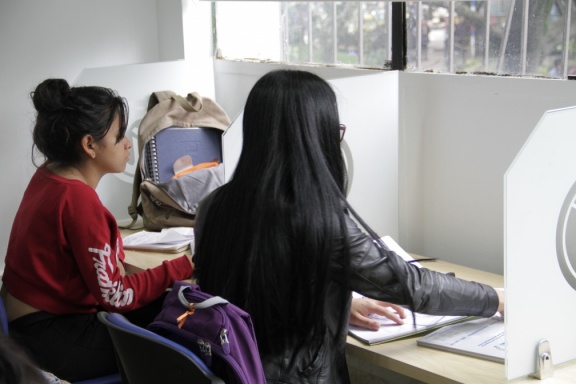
{"points": [[389, 330]]}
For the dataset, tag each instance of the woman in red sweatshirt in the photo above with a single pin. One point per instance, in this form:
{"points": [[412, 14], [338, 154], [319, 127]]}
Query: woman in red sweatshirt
{"points": [[65, 259]]}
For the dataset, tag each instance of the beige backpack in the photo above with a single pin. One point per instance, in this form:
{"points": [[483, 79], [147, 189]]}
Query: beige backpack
{"points": [[173, 203]]}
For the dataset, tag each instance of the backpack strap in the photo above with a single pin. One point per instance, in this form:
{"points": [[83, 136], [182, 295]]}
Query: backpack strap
{"points": [[158, 97], [133, 207], [192, 307], [133, 210], [215, 300]]}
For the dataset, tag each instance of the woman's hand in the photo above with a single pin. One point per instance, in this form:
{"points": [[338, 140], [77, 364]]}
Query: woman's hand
{"points": [[362, 307]]}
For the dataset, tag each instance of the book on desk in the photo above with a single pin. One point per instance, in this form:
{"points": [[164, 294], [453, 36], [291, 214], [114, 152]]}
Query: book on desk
{"points": [[481, 337], [171, 240]]}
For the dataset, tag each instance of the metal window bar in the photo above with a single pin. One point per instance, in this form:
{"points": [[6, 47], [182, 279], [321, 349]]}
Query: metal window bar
{"points": [[389, 29], [506, 35], [334, 32], [419, 36], [361, 32], [524, 36], [451, 37], [398, 35], [565, 51], [487, 9], [310, 37]]}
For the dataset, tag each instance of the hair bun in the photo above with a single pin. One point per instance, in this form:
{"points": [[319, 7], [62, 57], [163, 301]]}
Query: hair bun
{"points": [[50, 95]]}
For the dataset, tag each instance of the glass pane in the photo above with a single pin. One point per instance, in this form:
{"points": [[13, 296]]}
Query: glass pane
{"points": [[296, 31], [551, 63], [248, 30], [377, 33], [487, 37], [330, 32], [348, 33]]}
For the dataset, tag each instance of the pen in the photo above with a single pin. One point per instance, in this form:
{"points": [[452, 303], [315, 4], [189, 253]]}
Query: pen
{"points": [[425, 259]]}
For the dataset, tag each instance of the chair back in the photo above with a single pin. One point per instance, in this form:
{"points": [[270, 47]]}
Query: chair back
{"points": [[148, 358], [3, 317]]}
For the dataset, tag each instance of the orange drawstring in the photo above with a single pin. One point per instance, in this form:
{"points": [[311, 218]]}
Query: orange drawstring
{"points": [[182, 318]]}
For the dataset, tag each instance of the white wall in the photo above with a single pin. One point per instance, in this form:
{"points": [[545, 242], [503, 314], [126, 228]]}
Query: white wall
{"points": [[59, 38], [458, 135]]}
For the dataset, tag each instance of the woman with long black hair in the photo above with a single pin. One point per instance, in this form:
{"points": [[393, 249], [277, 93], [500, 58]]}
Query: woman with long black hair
{"points": [[281, 241]]}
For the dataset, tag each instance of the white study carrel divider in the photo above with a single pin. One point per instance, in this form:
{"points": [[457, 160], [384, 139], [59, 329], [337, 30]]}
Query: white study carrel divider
{"points": [[540, 245]]}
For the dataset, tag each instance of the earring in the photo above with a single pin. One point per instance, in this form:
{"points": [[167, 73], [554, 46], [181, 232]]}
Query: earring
{"points": [[93, 154]]}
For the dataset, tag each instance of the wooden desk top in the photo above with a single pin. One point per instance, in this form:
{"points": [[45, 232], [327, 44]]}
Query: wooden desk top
{"points": [[145, 259], [404, 356]]}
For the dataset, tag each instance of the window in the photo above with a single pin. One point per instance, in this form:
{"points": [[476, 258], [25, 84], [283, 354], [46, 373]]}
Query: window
{"points": [[502, 37], [499, 36]]}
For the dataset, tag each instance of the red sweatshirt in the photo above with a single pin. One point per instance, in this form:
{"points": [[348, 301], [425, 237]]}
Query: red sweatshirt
{"points": [[64, 249]]}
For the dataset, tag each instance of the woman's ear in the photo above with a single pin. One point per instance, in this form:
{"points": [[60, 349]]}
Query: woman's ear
{"points": [[88, 146]]}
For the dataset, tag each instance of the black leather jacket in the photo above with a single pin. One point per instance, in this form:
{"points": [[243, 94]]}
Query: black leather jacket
{"points": [[380, 278]]}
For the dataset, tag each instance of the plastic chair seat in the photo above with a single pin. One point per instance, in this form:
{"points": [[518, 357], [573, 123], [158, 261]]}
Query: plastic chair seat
{"points": [[148, 358]]}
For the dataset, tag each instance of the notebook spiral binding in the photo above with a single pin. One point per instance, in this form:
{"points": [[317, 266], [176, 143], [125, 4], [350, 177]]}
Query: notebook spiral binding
{"points": [[152, 160]]}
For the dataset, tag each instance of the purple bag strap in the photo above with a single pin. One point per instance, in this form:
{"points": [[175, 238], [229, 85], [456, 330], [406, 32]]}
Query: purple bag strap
{"points": [[216, 300]]}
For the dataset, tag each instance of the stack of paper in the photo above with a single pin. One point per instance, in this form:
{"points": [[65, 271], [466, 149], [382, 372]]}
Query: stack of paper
{"points": [[176, 239], [483, 338]]}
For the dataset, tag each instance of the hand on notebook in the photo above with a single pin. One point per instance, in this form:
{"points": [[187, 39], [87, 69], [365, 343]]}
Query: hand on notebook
{"points": [[362, 307]]}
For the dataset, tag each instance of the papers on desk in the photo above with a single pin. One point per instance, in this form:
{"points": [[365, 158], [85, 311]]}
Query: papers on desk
{"points": [[390, 331], [173, 240], [483, 338]]}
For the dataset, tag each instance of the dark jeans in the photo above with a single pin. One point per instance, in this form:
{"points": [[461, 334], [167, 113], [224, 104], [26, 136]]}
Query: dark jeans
{"points": [[73, 347]]}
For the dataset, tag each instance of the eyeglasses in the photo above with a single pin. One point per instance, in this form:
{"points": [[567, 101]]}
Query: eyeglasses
{"points": [[342, 131]]}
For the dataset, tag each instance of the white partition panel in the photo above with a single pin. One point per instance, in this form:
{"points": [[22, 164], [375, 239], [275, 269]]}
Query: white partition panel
{"points": [[540, 245], [368, 105], [136, 83]]}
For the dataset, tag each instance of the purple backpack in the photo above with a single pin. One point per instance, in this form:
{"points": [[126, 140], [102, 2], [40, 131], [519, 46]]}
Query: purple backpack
{"points": [[220, 333]]}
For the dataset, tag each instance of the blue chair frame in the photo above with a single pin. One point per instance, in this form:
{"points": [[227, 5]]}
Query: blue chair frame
{"points": [[3, 317], [148, 358]]}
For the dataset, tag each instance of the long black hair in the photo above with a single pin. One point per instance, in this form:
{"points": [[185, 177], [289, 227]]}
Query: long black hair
{"points": [[270, 232]]}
